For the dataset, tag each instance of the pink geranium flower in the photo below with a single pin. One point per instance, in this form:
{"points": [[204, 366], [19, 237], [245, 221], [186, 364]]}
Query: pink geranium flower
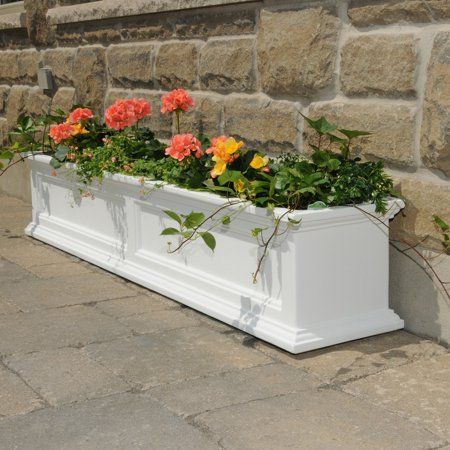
{"points": [[80, 115], [61, 132], [126, 112], [177, 100], [182, 145]]}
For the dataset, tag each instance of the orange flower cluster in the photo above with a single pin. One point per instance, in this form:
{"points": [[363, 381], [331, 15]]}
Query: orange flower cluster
{"points": [[224, 150], [182, 145], [177, 100], [126, 112], [73, 126]]}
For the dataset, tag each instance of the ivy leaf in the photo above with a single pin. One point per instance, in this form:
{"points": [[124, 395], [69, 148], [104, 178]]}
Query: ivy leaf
{"points": [[61, 152], [209, 239], [194, 219], [353, 133], [226, 220], [441, 223], [256, 232], [321, 125], [55, 163], [174, 216], [169, 232], [294, 221], [317, 205]]}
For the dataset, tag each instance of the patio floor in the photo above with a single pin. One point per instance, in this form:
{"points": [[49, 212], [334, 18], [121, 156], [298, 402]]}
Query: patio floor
{"points": [[91, 361]]}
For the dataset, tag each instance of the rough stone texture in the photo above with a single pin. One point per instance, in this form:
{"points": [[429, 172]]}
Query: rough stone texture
{"points": [[353, 360], [297, 51], [205, 117], [65, 269], [61, 61], [160, 123], [128, 421], [59, 327], [38, 29], [37, 103], [155, 359], [15, 396], [218, 391], [131, 65], [89, 76], [365, 14], [19, 67], [65, 375], [176, 65], [317, 419], [435, 138], [424, 197], [141, 304], [262, 123], [379, 65], [64, 99], [3, 130], [16, 104], [391, 125], [419, 390], [4, 92], [227, 65]]}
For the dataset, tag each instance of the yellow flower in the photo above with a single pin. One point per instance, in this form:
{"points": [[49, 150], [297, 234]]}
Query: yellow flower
{"points": [[239, 185], [232, 146], [258, 161], [78, 129], [219, 168]]}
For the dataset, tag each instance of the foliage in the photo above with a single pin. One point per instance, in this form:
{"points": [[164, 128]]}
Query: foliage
{"points": [[444, 229]]}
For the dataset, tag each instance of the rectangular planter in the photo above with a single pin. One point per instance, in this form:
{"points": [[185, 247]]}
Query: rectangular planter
{"points": [[322, 283]]}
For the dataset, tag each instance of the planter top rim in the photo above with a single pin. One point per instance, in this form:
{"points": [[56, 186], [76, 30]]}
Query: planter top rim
{"points": [[394, 204]]}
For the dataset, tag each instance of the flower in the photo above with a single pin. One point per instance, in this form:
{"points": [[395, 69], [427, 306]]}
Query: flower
{"points": [[239, 185], [225, 151], [126, 112], [182, 145], [80, 115], [176, 100], [78, 129], [61, 132], [259, 162]]}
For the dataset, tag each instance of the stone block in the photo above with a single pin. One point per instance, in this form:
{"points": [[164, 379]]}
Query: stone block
{"points": [[424, 198], [27, 63], [176, 65], [131, 65], [9, 68], [392, 127], [366, 14], [435, 134], [227, 65], [64, 99], [297, 51], [4, 92], [65, 375], [262, 123], [89, 76], [61, 60], [379, 65]]}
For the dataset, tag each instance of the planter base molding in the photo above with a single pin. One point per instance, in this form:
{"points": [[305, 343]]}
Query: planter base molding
{"points": [[323, 283]]}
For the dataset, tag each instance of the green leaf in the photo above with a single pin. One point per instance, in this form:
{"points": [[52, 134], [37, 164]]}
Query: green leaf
{"points": [[226, 220], [317, 205], [169, 231], [333, 164], [256, 232], [440, 223], [353, 133], [209, 239], [174, 216], [294, 221], [321, 125], [6, 155], [194, 219], [55, 163], [229, 176], [61, 152]]}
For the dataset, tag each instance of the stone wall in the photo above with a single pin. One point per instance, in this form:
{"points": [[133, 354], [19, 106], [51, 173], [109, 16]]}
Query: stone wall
{"points": [[253, 67]]}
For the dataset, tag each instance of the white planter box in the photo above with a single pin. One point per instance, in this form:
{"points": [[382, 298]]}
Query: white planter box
{"points": [[323, 283]]}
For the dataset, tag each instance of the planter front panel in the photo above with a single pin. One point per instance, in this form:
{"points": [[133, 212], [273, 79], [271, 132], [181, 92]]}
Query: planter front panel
{"points": [[322, 283]]}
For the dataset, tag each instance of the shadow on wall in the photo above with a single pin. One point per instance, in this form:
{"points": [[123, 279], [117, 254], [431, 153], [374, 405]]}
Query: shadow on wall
{"points": [[417, 299], [16, 182]]}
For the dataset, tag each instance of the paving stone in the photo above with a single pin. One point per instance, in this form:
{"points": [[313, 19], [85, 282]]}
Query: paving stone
{"points": [[31, 295], [65, 375], [7, 308], [59, 270], [419, 391], [353, 360], [123, 421], [141, 304], [12, 272], [176, 355], [55, 328], [152, 322], [206, 394], [15, 396], [16, 222], [313, 419]]}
